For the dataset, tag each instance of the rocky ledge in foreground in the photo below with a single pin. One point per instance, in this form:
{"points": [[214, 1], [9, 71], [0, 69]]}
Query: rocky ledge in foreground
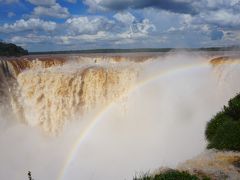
{"points": [[209, 165], [214, 164]]}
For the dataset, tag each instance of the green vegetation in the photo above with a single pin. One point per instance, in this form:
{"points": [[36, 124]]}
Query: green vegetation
{"points": [[9, 49], [171, 175], [106, 51], [138, 50], [223, 131]]}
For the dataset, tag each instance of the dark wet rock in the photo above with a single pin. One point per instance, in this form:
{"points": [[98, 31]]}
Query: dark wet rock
{"points": [[236, 164]]}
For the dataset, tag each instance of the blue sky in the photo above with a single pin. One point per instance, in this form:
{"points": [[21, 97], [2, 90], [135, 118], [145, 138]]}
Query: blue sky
{"points": [[48, 25]]}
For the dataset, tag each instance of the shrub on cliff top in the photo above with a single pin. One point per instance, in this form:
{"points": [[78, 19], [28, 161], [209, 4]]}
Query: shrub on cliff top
{"points": [[233, 109], [223, 131], [170, 175], [227, 137], [217, 121]]}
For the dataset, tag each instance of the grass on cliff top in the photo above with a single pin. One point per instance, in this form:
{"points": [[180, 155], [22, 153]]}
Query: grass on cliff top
{"points": [[223, 130]]}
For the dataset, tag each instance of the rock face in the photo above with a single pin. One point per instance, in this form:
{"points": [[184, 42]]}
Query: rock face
{"points": [[49, 92], [224, 60], [214, 164]]}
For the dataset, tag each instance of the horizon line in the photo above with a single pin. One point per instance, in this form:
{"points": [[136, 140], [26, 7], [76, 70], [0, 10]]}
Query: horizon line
{"points": [[132, 50]]}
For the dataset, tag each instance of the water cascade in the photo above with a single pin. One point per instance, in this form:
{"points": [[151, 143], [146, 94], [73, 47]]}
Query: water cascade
{"points": [[111, 115]]}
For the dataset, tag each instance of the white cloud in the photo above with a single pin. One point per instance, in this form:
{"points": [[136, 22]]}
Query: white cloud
{"points": [[71, 39], [30, 38], [101, 36], [145, 26], [159, 28], [88, 25], [124, 17], [232, 36], [135, 27], [221, 17], [76, 31], [55, 10], [42, 2], [216, 4], [26, 25], [99, 29], [141, 28], [94, 5]]}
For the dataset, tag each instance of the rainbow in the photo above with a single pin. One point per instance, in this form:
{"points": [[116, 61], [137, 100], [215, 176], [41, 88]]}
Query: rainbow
{"points": [[72, 154]]}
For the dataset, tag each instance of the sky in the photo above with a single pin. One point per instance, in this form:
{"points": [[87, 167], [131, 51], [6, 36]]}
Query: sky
{"points": [[50, 25]]}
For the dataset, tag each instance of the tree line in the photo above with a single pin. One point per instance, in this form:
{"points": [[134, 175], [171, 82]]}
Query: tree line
{"points": [[9, 49]]}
